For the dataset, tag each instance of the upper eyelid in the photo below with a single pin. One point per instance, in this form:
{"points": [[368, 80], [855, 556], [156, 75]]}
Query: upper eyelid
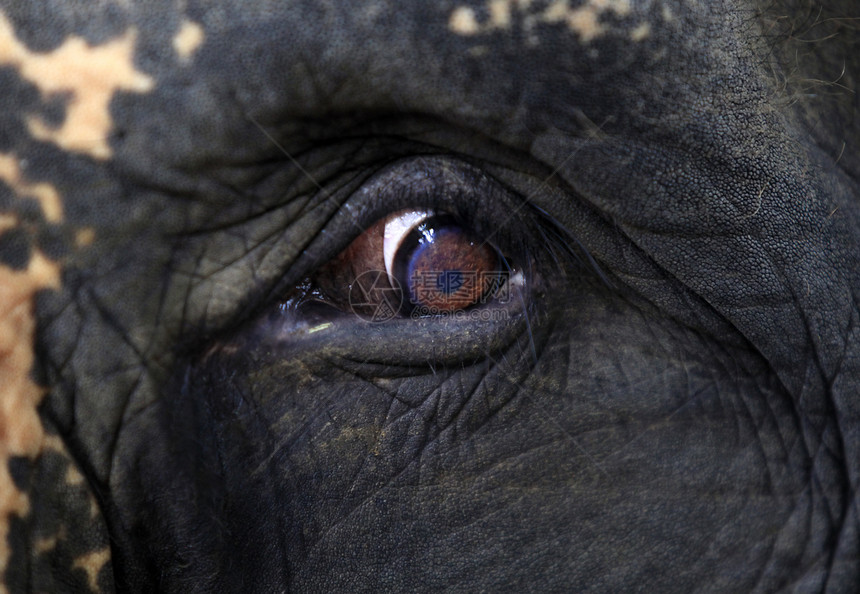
{"points": [[475, 198]]}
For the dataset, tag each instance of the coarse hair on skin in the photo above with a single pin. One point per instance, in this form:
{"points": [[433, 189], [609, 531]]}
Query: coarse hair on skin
{"points": [[814, 55]]}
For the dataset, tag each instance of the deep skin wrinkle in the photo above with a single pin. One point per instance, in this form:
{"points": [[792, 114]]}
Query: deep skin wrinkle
{"points": [[668, 402]]}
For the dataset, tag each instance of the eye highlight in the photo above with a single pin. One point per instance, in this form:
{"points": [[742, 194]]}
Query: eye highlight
{"points": [[396, 228]]}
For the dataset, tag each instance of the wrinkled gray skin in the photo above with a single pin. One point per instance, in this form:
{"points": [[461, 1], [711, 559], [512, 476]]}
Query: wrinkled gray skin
{"points": [[671, 404]]}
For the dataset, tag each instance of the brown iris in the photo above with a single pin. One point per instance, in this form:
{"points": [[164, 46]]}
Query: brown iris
{"points": [[422, 260], [444, 268]]}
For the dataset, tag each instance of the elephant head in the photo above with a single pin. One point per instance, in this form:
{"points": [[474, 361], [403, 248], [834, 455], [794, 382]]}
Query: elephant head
{"points": [[551, 295]]}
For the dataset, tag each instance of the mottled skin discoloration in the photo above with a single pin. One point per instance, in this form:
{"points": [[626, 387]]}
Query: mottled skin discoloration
{"points": [[61, 544], [23, 273], [588, 20], [84, 77], [45, 194], [681, 414], [188, 40]]}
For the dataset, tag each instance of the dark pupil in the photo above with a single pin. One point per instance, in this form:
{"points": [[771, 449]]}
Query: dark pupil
{"points": [[443, 268]]}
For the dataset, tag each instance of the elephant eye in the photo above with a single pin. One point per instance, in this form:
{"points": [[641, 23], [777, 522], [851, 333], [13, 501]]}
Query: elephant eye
{"points": [[415, 263]]}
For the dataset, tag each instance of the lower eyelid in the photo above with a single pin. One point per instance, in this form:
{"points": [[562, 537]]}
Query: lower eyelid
{"points": [[398, 342]]}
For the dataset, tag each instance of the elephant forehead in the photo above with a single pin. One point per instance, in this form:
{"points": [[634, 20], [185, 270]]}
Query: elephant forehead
{"points": [[257, 53]]}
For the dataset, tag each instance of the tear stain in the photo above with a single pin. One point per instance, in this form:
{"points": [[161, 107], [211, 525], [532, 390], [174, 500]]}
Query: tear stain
{"points": [[584, 20], [187, 40], [89, 74], [92, 564]]}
